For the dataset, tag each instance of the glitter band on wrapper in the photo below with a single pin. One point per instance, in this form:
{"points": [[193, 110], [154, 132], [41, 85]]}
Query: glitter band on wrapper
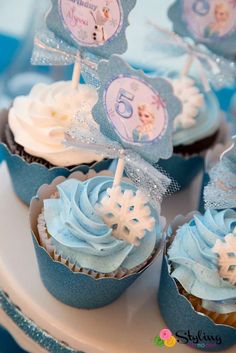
{"points": [[29, 327]]}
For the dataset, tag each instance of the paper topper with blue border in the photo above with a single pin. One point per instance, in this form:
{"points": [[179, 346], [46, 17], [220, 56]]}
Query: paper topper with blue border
{"points": [[93, 28], [209, 22], [135, 110]]}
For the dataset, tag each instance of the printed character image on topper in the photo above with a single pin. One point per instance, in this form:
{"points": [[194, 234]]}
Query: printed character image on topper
{"points": [[94, 22], [145, 130], [210, 19], [136, 111], [221, 17], [101, 17]]}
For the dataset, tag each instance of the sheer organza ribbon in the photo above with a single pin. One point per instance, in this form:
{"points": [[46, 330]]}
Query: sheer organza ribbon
{"points": [[51, 50], [218, 70], [152, 180]]}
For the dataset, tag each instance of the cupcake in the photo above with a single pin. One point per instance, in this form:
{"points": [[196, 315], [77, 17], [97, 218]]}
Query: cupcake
{"points": [[198, 263], [93, 240], [202, 278], [33, 135], [196, 130]]}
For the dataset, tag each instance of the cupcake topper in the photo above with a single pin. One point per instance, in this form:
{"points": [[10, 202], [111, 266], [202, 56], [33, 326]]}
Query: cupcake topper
{"points": [[220, 193], [208, 22], [226, 251], [133, 121], [217, 70], [82, 32]]}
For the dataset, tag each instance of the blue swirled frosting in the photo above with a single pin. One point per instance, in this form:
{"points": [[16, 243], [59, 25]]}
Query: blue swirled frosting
{"points": [[194, 263], [79, 233], [207, 123]]}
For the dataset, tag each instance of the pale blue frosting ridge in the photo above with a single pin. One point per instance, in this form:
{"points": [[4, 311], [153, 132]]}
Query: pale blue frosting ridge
{"points": [[79, 233], [194, 263]]}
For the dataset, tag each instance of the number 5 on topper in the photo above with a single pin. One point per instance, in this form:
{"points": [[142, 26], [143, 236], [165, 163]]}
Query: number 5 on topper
{"points": [[136, 111], [133, 121]]}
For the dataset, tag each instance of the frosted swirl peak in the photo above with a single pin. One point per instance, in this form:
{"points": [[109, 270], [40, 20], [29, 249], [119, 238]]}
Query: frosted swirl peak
{"points": [[39, 121], [192, 100]]}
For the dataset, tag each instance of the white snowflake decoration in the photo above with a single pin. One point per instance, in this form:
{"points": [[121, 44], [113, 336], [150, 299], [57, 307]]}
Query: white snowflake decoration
{"points": [[226, 251], [192, 100], [127, 213]]}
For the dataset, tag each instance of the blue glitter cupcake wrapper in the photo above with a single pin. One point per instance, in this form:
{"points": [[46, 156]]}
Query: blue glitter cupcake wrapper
{"points": [[179, 315]]}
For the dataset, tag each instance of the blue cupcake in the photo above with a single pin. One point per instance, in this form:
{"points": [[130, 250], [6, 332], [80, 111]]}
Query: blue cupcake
{"points": [[95, 237], [202, 277], [32, 135]]}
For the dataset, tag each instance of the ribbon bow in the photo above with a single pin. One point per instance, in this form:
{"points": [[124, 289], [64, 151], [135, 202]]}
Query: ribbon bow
{"points": [[85, 134], [51, 50], [217, 70]]}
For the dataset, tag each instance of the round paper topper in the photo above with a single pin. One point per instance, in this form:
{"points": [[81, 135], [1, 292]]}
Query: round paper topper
{"points": [[135, 109], [95, 28], [92, 23], [211, 22]]}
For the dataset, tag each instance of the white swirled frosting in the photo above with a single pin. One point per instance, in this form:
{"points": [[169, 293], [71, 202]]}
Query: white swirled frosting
{"points": [[200, 116], [39, 120], [192, 100]]}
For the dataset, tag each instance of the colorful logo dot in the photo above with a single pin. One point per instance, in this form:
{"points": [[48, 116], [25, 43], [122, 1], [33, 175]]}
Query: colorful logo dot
{"points": [[171, 342], [165, 334], [158, 341], [165, 339]]}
